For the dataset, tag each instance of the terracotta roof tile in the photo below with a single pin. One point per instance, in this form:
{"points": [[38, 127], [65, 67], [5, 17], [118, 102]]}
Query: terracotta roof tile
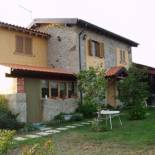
{"points": [[113, 71], [25, 30], [39, 69]]}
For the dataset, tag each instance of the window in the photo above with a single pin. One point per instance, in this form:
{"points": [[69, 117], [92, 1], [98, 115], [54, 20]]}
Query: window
{"points": [[54, 88], [72, 89], [23, 44], [63, 89], [95, 48], [44, 88], [122, 56]]}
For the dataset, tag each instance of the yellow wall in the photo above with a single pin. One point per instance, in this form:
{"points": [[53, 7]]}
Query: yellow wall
{"points": [[92, 61], [8, 46], [127, 64], [7, 85]]}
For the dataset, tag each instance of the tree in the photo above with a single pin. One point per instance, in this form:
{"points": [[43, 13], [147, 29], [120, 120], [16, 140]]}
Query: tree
{"points": [[93, 86], [133, 91]]}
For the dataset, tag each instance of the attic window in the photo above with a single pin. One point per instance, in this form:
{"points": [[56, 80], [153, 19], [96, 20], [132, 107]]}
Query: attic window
{"points": [[23, 44]]}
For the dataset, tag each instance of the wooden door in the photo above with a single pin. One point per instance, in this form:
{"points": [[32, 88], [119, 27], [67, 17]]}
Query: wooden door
{"points": [[111, 99], [33, 99]]}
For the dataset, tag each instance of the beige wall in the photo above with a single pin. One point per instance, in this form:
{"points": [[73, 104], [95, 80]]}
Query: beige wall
{"points": [[8, 45], [7, 85]]}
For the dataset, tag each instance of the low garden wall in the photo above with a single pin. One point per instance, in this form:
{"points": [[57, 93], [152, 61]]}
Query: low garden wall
{"points": [[52, 107], [17, 104]]}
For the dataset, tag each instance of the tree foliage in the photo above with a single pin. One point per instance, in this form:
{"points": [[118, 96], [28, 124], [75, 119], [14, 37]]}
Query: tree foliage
{"points": [[133, 91], [92, 84]]}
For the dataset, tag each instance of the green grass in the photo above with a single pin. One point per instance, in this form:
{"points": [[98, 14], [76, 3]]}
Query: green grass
{"points": [[134, 138]]}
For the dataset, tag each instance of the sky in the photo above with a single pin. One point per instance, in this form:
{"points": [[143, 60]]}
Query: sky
{"points": [[133, 19]]}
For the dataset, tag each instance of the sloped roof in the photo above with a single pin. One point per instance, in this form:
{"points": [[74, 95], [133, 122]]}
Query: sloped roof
{"points": [[114, 71], [24, 30], [38, 69], [83, 24]]}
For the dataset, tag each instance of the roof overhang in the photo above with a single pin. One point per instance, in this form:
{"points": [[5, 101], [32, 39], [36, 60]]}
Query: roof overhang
{"points": [[24, 30], [83, 24], [26, 71], [117, 72]]}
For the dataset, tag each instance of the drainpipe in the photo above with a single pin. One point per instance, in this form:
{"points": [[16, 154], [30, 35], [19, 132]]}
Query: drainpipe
{"points": [[80, 62]]}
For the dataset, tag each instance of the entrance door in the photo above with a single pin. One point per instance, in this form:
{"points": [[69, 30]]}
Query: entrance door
{"points": [[111, 93], [34, 110]]}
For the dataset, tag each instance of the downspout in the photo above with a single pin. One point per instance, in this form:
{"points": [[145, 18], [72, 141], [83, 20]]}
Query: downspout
{"points": [[80, 62]]}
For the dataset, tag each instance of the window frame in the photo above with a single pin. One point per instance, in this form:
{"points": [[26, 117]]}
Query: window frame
{"points": [[59, 89], [122, 56], [24, 47], [98, 51]]}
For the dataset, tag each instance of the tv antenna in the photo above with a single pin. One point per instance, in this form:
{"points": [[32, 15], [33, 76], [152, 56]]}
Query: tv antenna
{"points": [[28, 10]]}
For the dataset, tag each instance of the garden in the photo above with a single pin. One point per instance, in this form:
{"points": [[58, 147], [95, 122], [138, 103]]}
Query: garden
{"points": [[136, 136]]}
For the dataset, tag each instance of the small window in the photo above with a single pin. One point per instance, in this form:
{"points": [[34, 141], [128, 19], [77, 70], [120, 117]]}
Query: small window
{"points": [[44, 88], [23, 45], [95, 49], [54, 88], [63, 89]]}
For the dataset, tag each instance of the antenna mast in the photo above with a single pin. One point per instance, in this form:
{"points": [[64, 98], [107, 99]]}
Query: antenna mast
{"points": [[28, 10]]}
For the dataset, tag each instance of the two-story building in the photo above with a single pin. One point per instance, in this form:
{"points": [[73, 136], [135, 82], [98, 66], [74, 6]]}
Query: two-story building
{"points": [[38, 64], [76, 44]]}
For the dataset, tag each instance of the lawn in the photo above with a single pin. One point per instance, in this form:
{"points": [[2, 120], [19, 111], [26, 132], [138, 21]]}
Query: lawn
{"points": [[135, 138]]}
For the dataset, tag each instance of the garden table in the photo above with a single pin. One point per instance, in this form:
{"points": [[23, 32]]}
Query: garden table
{"points": [[109, 114]]}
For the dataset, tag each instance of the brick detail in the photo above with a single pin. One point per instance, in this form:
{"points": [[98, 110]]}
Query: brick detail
{"points": [[20, 85]]}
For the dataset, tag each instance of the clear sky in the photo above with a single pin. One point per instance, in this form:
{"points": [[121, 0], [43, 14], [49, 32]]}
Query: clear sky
{"points": [[134, 19]]}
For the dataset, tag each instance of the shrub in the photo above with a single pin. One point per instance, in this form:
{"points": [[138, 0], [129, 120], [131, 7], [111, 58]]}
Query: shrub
{"points": [[98, 126], [65, 118], [137, 113], [93, 85], [133, 91], [6, 137], [28, 127], [7, 119], [88, 109], [39, 149], [3, 103], [59, 117], [77, 117]]}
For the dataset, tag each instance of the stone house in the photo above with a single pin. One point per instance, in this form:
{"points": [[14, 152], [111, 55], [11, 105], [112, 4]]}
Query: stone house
{"points": [[38, 64], [76, 44]]}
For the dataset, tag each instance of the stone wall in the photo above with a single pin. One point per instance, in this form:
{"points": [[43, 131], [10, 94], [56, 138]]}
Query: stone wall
{"points": [[17, 104], [63, 48], [110, 46], [52, 107]]}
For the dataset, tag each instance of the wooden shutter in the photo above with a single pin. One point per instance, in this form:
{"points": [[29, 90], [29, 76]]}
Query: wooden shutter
{"points": [[127, 57], [117, 56], [19, 44], [101, 50], [28, 45], [89, 48]]}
